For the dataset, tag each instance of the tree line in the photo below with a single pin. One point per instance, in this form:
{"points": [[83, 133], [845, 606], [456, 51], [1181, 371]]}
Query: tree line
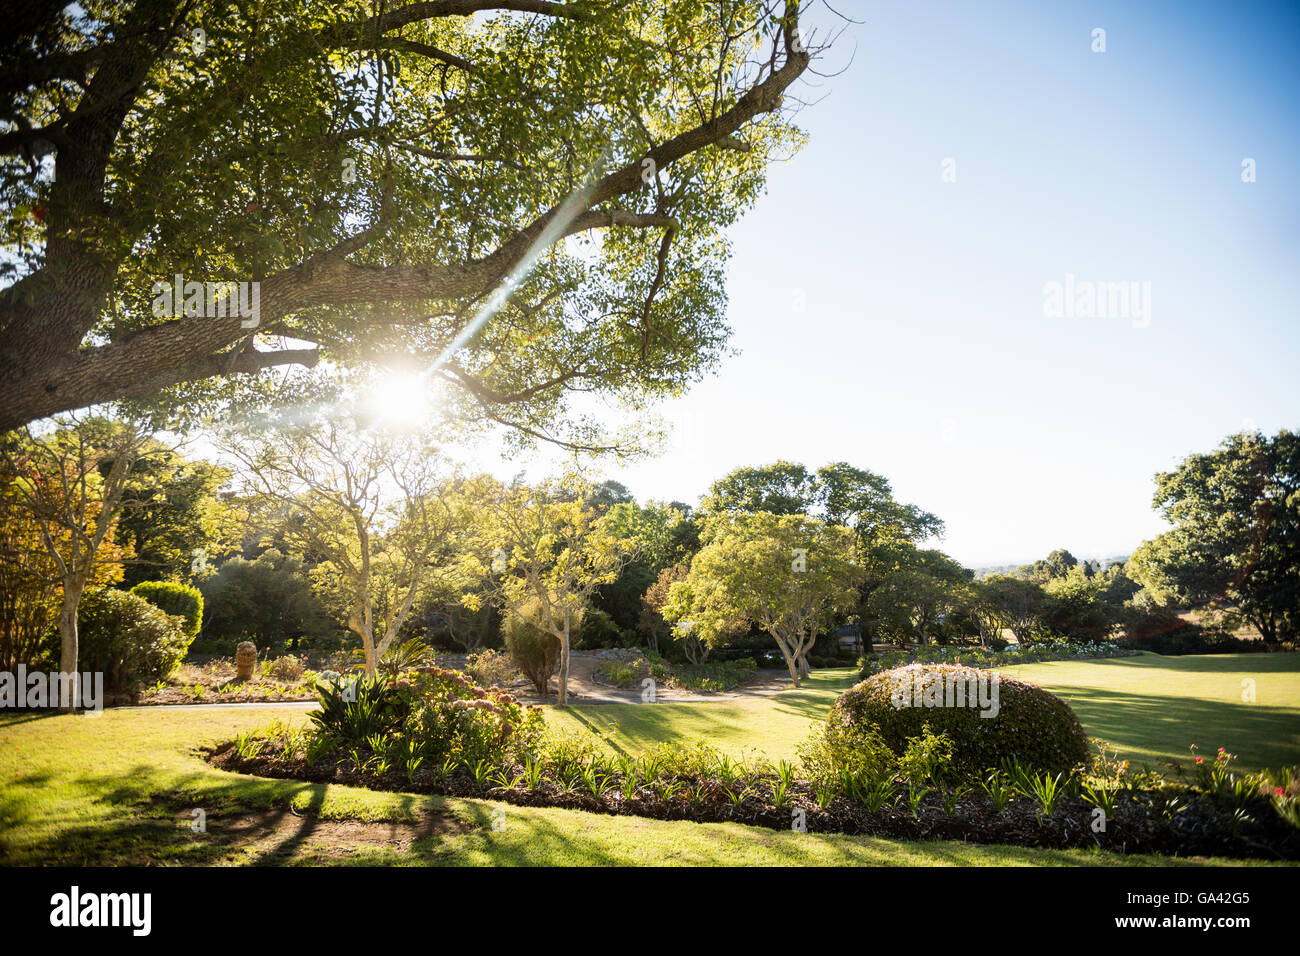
{"points": [[318, 532]]}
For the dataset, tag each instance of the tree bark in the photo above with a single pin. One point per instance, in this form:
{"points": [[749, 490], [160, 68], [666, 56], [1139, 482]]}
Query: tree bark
{"points": [[790, 662], [69, 642], [564, 663]]}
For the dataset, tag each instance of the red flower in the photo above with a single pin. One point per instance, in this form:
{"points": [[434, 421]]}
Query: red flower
{"points": [[1277, 792], [1199, 759]]}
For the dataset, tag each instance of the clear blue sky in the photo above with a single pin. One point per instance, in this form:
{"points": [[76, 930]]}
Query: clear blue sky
{"points": [[924, 353]]}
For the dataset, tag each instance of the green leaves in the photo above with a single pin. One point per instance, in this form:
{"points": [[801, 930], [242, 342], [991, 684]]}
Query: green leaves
{"points": [[1236, 535]]}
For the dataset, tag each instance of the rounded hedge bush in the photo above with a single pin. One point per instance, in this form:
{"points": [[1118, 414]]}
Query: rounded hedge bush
{"points": [[128, 639], [1033, 726], [174, 599]]}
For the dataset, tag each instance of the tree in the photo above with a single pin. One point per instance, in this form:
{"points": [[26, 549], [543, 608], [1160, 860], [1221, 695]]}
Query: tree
{"points": [[1235, 543], [786, 574], [1016, 603], [660, 535], [389, 180], [268, 599], [837, 493], [1076, 608], [923, 588], [371, 502], [70, 481], [781, 488], [29, 581], [986, 614], [170, 516], [1056, 565], [651, 621], [550, 550], [885, 531]]}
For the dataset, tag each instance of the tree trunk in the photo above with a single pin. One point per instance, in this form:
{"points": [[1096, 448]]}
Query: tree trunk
{"points": [[564, 663], [805, 670], [359, 621], [367, 647], [68, 640], [790, 662]]}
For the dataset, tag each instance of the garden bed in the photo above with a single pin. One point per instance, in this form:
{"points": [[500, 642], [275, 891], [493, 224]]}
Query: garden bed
{"points": [[1194, 827], [630, 667], [979, 657], [215, 682]]}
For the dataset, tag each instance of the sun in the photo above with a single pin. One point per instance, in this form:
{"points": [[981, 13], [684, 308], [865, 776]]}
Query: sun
{"points": [[398, 398]]}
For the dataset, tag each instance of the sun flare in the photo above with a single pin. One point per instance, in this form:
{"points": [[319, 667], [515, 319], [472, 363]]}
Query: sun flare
{"points": [[402, 399]]}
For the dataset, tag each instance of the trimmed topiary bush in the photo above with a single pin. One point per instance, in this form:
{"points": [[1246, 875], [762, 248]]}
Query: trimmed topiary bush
{"points": [[1032, 726], [130, 640], [175, 599]]}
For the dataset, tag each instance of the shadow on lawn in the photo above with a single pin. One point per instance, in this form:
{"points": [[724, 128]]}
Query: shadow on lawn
{"points": [[1137, 724], [248, 820]]}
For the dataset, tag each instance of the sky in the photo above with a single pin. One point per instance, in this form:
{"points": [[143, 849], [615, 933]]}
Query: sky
{"points": [[924, 351]]}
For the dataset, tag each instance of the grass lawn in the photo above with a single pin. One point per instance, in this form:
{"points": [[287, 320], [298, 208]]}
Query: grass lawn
{"points": [[1149, 707], [1153, 708], [772, 726], [120, 788]]}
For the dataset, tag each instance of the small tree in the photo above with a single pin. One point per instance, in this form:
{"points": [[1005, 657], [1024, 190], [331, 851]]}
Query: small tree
{"points": [[370, 502], [549, 551], [535, 652], [651, 622], [785, 573], [1016, 602], [29, 581], [70, 481]]}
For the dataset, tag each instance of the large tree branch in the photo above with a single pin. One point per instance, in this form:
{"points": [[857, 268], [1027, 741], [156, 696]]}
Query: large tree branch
{"points": [[64, 376]]}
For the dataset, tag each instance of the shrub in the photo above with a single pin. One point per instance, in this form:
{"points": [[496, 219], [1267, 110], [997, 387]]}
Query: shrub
{"points": [[855, 750], [452, 717], [175, 599], [927, 758], [620, 673], [714, 675], [1032, 726], [598, 629], [398, 657], [534, 651], [686, 761], [568, 750], [133, 642], [491, 667], [286, 668], [353, 711]]}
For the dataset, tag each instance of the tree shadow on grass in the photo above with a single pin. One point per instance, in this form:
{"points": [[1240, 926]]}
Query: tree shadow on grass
{"points": [[242, 820], [1160, 728]]}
